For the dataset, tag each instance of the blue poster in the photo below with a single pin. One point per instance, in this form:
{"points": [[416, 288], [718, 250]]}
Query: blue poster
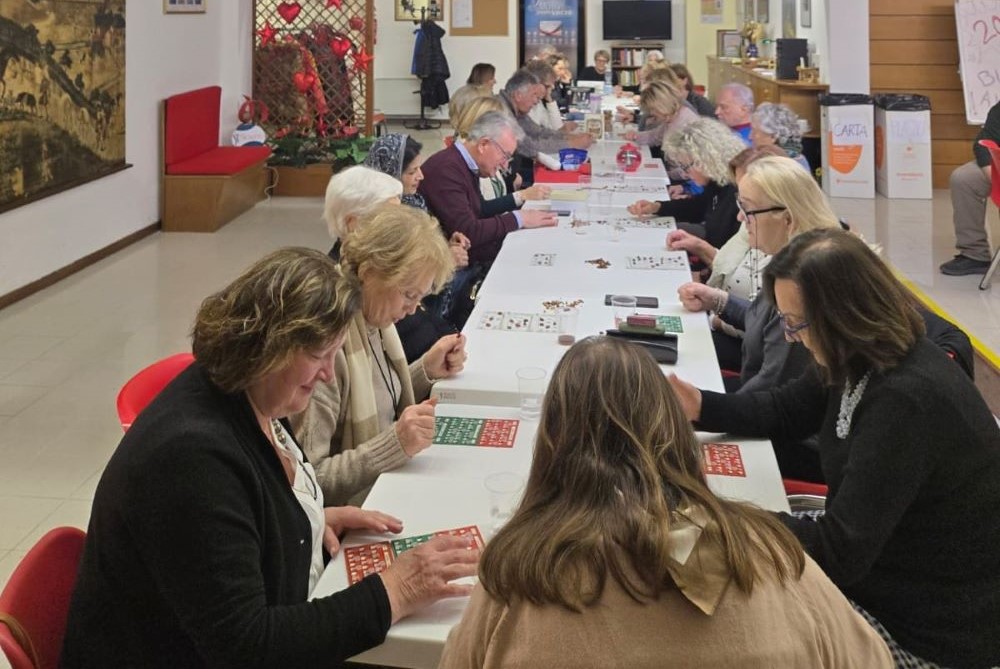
{"points": [[552, 22]]}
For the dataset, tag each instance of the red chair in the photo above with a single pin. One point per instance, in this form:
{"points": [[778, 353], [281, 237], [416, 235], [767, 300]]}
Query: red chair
{"points": [[35, 602], [793, 487], [994, 150], [147, 384]]}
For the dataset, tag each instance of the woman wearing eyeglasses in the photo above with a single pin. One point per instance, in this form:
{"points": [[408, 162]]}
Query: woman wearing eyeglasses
{"points": [[373, 415], [908, 447], [777, 200]]}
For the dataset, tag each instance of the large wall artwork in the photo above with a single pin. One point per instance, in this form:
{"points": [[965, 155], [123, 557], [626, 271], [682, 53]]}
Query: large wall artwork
{"points": [[62, 95]]}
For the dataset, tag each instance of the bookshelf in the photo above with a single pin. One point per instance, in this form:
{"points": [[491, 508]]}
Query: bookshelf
{"points": [[628, 57]]}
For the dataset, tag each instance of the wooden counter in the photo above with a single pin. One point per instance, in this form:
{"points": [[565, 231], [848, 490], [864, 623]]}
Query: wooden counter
{"points": [[799, 96]]}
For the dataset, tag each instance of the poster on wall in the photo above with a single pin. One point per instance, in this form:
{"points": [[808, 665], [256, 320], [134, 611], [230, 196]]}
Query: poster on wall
{"points": [[711, 11], [556, 23], [788, 18], [62, 96]]}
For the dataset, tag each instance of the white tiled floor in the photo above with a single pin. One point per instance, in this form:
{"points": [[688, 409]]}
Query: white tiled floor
{"points": [[66, 351]]}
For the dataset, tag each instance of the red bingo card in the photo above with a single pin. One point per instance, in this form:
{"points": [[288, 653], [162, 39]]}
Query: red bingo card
{"points": [[724, 460], [366, 560], [470, 532]]}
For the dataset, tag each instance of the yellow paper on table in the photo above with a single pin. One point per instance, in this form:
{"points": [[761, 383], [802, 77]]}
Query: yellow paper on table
{"points": [[568, 195]]}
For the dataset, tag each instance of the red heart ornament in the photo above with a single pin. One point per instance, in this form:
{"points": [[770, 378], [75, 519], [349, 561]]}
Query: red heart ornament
{"points": [[340, 45], [356, 23], [289, 10], [334, 3], [304, 81]]}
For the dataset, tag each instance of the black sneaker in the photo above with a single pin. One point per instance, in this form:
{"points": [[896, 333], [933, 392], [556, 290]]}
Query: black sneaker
{"points": [[961, 265]]}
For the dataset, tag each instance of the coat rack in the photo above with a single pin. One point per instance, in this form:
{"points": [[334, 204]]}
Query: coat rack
{"points": [[423, 123]]}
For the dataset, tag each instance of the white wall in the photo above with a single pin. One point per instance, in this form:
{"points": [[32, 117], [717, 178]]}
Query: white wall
{"points": [[164, 55], [394, 53]]}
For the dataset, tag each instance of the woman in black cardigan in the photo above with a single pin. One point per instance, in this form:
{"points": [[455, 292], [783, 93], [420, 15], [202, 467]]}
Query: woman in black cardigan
{"points": [[208, 530], [703, 149], [908, 447]]}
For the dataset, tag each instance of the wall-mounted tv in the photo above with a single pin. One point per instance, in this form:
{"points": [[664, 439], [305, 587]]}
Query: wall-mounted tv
{"points": [[637, 19]]}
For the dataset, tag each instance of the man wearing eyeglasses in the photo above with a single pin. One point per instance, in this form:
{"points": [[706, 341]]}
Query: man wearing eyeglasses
{"points": [[521, 93], [451, 187]]}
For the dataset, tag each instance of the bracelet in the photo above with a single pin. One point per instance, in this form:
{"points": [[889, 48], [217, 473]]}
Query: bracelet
{"points": [[721, 297]]}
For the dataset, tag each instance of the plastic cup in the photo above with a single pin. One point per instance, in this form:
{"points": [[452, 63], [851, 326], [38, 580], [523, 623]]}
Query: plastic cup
{"points": [[504, 490], [584, 215], [530, 387], [584, 182], [615, 232], [568, 317], [624, 306], [602, 198]]}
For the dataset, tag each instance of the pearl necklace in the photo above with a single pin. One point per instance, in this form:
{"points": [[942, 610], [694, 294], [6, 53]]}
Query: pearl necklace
{"points": [[849, 401], [279, 431]]}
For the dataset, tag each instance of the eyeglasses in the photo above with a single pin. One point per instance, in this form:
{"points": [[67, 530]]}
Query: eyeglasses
{"points": [[792, 331], [685, 166], [747, 213], [507, 157]]}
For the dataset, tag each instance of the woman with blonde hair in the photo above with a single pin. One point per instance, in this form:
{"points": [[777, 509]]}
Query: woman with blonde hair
{"points": [[777, 200], [620, 555], [703, 150], [662, 105], [373, 414]]}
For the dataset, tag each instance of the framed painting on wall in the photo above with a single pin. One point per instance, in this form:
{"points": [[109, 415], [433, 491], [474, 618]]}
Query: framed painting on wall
{"points": [[62, 107], [184, 6], [788, 20], [418, 10], [763, 11]]}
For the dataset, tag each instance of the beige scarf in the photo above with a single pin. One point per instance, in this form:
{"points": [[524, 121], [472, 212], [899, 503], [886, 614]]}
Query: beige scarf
{"points": [[363, 420]]}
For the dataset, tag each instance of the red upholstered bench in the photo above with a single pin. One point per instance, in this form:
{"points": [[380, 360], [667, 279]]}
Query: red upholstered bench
{"points": [[205, 185]]}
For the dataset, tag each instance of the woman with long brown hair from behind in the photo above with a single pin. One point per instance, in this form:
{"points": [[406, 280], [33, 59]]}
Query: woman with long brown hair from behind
{"points": [[620, 555]]}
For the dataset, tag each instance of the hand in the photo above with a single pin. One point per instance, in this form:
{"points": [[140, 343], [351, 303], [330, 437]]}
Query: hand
{"points": [[536, 192], [459, 255], [677, 192], [446, 357], [569, 126], [458, 239], [341, 518], [680, 240], [624, 115], [415, 427], [689, 396], [580, 141], [643, 208], [423, 575], [518, 180], [698, 296], [536, 218]]}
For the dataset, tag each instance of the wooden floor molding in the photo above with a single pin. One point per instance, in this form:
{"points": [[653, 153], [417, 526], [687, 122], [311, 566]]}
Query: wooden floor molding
{"points": [[74, 267]]}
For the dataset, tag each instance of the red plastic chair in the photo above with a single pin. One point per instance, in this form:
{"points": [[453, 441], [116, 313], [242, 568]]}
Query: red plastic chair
{"points": [[147, 384], [35, 602], [994, 150], [793, 487]]}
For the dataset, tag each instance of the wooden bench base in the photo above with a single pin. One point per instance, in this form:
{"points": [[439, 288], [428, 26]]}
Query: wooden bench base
{"points": [[204, 203]]}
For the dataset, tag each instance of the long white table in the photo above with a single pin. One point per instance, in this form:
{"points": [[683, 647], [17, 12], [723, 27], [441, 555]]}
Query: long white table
{"points": [[443, 488]]}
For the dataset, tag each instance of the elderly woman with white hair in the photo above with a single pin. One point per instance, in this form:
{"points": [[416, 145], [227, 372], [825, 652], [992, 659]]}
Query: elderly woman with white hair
{"points": [[775, 123], [354, 194], [702, 149]]}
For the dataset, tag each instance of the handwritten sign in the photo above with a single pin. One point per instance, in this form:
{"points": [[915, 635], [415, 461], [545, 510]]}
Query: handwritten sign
{"points": [[978, 26]]}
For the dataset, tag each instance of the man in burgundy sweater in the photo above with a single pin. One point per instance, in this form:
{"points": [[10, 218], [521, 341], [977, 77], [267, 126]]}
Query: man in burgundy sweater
{"points": [[451, 187]]}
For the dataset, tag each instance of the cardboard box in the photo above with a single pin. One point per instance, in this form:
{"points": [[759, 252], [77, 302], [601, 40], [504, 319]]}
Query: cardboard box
{"points": [[903, 154], [848, 133]]}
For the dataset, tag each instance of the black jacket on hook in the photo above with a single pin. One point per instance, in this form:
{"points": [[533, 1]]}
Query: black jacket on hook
{"points": [[431, 65]]}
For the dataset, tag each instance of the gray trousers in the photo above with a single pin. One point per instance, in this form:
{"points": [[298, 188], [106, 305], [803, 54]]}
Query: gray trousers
{"points": [[970, 190]]}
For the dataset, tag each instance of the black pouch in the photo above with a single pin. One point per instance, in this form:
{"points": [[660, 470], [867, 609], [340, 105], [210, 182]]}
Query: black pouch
{"points": [[662, 347]]}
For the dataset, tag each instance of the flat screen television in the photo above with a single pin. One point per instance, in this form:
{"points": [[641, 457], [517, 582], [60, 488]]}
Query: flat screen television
{"points": [[636, 19]]}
